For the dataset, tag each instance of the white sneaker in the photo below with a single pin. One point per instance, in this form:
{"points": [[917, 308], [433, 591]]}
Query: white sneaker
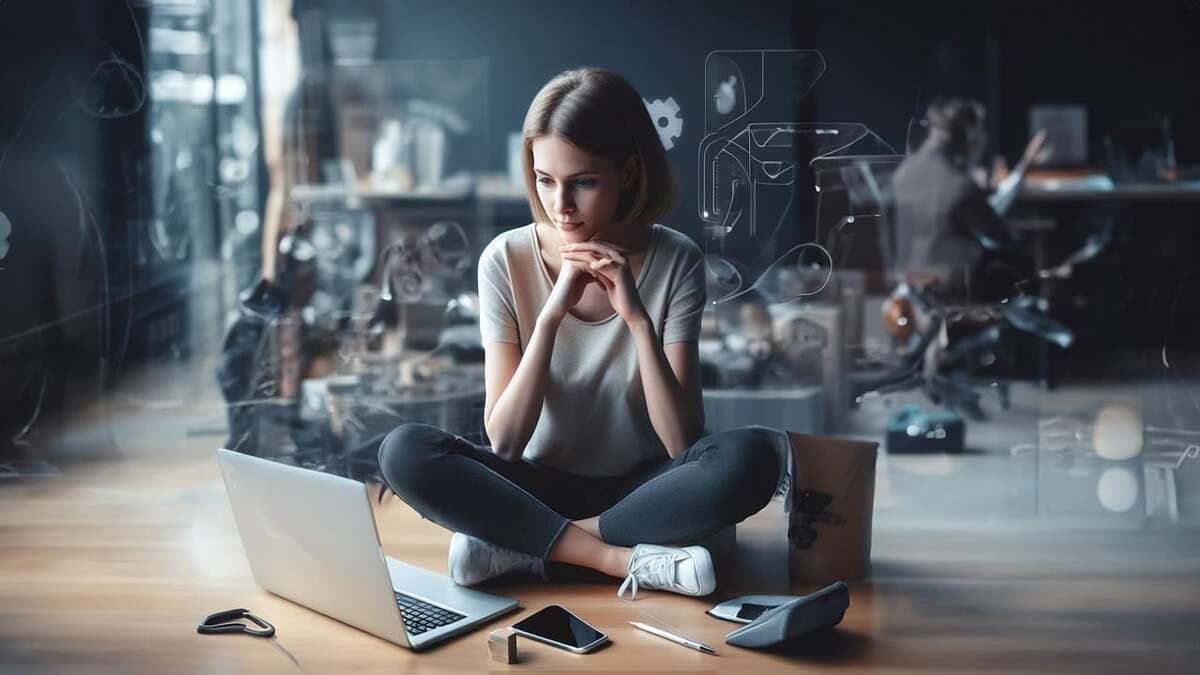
{"points": [[472, 561], [688, 570]]}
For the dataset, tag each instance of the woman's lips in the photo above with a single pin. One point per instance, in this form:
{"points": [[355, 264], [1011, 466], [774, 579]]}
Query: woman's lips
{"points": [[570, 225]]}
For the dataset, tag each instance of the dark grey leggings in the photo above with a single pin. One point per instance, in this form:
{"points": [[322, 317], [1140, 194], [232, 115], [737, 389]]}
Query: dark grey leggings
{"points": [[524, 506]]}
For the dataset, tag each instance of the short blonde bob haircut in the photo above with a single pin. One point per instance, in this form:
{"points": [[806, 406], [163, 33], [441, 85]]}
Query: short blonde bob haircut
{"points": [[599, 112]]}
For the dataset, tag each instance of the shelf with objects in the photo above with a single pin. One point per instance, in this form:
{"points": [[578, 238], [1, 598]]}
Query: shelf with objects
{"points": [[372, 319]]}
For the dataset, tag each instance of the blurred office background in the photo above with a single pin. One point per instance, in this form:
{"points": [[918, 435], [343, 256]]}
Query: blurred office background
{"points": [[148, 147]]}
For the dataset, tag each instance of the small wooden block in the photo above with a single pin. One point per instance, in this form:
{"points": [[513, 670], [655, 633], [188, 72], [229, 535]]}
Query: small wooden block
{"points": [[502, 645]]}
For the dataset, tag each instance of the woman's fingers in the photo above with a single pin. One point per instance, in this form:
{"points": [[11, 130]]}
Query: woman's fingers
{"points": [[604, 269], [578, 255], [605, 242], [584, 265], [592, 260], [602, 279], [598, 247], [580, 266], [581, 260], [588, 262]]}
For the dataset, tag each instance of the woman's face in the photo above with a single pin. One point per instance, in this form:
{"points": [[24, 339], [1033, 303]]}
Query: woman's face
{"points": [[579, 191]]}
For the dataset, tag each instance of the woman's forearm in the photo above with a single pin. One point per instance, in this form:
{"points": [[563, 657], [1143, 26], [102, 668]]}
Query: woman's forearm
{"points": [[516, 412], [676, 416]]}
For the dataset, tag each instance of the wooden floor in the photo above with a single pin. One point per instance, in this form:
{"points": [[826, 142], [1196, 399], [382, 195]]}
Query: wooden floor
{"points": [[108, 568]]}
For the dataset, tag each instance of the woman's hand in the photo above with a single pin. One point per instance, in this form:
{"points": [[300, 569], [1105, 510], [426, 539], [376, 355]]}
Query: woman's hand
{"points": [[573, 278], [609, 265]]}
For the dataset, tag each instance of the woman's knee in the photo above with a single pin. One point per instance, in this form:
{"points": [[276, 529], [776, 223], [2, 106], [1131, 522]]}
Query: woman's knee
{"points": [[755, 451], [405, 454]]}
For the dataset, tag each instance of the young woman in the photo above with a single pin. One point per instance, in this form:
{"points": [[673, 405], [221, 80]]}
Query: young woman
{"points": [[590, 318]]}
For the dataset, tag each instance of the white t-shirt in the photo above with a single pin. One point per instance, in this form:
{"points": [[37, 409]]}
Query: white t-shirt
{"points": [[594, 420]]}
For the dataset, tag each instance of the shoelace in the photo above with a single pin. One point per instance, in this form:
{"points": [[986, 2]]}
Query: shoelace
{"points": [[658, 571]]}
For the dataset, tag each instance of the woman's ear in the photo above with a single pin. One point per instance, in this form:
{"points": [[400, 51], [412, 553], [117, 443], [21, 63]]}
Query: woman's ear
{"points": [[629, 173]]}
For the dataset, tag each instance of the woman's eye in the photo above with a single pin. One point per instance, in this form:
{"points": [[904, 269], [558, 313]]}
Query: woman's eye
{"points": [[586, 183], [544, 181]]}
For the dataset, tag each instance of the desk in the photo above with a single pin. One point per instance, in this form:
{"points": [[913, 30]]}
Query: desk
{"points": [[1052, 187], [1122, 298]]}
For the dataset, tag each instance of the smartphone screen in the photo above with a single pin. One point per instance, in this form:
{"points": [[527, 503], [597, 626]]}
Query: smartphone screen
{"points": [[558, 625]]}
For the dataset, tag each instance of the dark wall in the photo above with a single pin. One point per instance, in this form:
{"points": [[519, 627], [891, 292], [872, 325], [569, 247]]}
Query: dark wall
{"points": [[1121, 60], [885, 62], [659, 46]]}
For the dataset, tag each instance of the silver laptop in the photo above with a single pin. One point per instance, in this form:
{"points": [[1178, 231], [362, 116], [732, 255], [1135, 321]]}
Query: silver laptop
{"points": [[310, 537]]}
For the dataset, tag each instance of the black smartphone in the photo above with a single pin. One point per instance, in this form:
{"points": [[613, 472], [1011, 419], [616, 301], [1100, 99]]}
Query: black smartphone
{"points": [[557, 626]]}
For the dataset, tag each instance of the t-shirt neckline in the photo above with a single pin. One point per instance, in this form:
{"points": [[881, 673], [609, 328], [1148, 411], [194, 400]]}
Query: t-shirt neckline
{"points": [[537, 252]]}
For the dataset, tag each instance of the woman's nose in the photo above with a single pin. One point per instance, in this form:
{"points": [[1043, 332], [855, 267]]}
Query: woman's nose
{"points": [[563, 201]]}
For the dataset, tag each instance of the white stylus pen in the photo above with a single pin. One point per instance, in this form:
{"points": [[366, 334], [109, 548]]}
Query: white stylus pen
{"points": [[677, 639]]}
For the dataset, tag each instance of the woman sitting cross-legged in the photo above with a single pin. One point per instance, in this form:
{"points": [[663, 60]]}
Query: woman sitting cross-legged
{"points": [[590, 319]]}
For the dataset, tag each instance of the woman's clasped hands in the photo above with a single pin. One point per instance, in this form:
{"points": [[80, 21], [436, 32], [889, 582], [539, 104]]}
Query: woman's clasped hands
{"points": [[608, 264]]}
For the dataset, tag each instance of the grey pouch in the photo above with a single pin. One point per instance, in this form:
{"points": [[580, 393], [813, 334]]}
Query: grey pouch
{"points": [[772, 619]]}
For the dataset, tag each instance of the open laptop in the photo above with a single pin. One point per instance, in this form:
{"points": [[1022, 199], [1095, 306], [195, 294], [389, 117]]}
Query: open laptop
{"points": [[310, 537]]}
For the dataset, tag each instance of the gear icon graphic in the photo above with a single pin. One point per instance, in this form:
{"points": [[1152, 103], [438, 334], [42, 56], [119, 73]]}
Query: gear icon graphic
{"points": [[665, 115]]}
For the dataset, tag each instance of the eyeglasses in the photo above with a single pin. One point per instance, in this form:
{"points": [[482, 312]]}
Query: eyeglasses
{"points": [[226, 622]]}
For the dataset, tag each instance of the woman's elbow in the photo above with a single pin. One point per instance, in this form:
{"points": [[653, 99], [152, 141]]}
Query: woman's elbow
{"points": [[678, 446], [504, 448], [695, 430], [507, 452]]}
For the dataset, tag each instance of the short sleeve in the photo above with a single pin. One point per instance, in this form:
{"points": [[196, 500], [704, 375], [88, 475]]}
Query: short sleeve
{"points": [[497, 311], [685, 307]]}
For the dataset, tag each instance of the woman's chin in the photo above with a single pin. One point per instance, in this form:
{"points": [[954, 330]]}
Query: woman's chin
{"points": [[575, 235]]}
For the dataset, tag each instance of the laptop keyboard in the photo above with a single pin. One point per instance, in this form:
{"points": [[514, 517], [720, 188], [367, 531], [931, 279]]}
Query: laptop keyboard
{"points": [[421, 616]]}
